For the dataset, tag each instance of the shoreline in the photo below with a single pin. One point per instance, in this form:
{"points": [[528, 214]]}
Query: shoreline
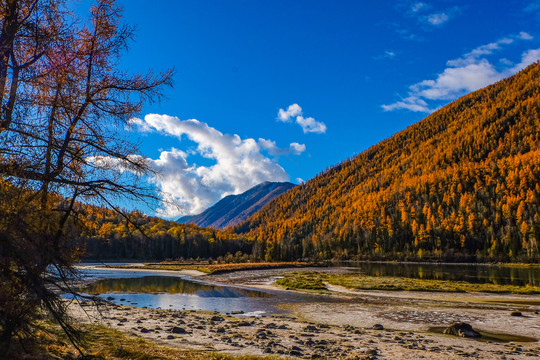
{"points": [[330, 262], [321, 330], [340, 324], [417, 262], [186, 272], [265, 280]]}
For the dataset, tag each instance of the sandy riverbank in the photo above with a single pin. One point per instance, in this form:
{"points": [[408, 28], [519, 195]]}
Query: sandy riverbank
{"points": [[342, 328], [190, 273]]}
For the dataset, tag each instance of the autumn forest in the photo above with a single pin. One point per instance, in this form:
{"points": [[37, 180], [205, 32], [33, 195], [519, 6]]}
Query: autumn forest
{"points": [[103, 184], [461, 185]]}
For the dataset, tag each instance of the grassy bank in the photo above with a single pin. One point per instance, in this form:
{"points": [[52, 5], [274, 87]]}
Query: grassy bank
{"points": [[316, 281], [101, 342], [215, 268]]}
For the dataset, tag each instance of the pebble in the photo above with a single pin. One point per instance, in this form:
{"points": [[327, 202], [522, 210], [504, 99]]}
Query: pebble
{"points": [[178, 330], [277, 335]]}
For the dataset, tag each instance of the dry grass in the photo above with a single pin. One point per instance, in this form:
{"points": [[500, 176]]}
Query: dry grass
{"points": [[101, 342], [215, 268], [304, 280], [315, 281]]}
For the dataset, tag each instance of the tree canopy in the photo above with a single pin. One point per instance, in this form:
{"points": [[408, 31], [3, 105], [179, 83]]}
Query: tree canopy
{"points": [[461, 184]]}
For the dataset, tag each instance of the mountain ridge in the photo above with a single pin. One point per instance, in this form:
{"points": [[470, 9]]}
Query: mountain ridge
{"points": [[234, 209]]}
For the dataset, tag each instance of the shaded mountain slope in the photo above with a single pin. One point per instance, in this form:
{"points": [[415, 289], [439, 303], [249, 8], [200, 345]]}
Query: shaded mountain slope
{"points": [[461, 184], [234, 209]]}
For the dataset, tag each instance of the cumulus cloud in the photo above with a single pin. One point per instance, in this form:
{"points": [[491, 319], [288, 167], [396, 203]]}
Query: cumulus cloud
{"points": [[139, 124], [291, 112], [455, 80], [309, 124], [469, 73], [237, 164]]}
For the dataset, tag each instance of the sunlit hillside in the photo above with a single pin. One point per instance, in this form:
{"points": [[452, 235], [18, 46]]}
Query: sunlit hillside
{"points": [[463, 183]]}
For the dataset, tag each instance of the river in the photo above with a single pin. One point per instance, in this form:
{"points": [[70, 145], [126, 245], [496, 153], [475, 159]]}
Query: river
{"points": [[169, 290]]}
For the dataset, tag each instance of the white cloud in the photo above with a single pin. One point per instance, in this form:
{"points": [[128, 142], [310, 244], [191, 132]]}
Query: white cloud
{"points": [[487, 49], [456, 80], [297, 148], [291, 112], [527, 58], [525, 36], [139, 124], [411, 103], [132, 163], [309, 125], [238, 164], [466, 74], [426, 14], [270, 146], [437, 19], [389, 54]]}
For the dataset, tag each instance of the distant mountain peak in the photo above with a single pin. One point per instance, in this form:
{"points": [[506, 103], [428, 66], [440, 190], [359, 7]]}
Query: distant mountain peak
{"points": [[234, 209]]}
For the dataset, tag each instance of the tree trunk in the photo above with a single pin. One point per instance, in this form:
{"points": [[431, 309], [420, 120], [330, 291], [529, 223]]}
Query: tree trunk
{"points": [[10, 27]]}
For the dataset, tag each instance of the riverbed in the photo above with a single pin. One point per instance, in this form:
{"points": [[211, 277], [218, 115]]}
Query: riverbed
{"points": [[340, 325]]}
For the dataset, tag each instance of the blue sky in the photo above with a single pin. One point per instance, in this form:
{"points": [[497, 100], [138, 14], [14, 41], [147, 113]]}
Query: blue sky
{"points": [[355, 73]]}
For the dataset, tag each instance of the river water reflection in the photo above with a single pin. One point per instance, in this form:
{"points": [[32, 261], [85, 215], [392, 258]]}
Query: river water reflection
{"points": [[171, 285], [167, 291], [473, 273], [173, 291]]}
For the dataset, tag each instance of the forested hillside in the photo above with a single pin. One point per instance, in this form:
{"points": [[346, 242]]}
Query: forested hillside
{"points": [[106, 234], [464, 183]]}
